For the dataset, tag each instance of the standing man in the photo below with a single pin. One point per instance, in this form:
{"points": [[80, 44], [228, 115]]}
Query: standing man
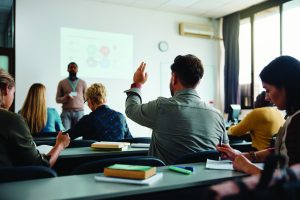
{"points": [[70, 92], [183, 123]]}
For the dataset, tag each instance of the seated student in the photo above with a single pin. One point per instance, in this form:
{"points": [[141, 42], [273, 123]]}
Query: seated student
{"points": [[103, 123], [181, 124], [17, 147], [38, 117], [262, 123], [281, 80]]}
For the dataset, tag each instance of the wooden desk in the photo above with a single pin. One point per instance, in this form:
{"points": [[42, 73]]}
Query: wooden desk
{"points": [[73, 157], [85, 187]]}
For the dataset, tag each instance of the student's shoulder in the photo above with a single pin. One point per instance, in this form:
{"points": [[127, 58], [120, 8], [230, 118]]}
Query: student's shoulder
{"points": [[8, 114], [165, 100], [296, 118], [263, 111], [8, 117], [52, 110]]}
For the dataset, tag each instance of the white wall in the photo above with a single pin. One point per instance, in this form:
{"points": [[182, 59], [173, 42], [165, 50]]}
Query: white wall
{"points": [[38, 24]]}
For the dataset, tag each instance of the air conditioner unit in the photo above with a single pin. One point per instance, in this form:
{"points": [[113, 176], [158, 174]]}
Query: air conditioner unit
{"points": [[196, 30]]}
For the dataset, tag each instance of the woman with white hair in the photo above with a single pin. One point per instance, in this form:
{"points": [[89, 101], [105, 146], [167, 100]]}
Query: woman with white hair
{"points": [[103, 123]]}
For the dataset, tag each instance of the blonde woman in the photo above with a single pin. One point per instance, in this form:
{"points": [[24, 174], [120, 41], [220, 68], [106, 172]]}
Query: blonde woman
{"points": [[16, 144], [103, 123], [38, 117]]}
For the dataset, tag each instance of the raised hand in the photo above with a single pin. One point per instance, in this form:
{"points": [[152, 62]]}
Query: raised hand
{"points": [[140, 76]]}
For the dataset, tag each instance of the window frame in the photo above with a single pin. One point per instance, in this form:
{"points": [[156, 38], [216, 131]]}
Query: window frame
{"points": [[250, 13]]}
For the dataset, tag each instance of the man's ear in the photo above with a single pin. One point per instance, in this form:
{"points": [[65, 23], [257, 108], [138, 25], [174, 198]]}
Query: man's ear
{"points": [[175, 79], [6, 90]]}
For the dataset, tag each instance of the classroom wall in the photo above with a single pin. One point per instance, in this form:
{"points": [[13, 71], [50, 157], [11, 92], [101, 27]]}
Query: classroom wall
{"points": [[38, 24]]}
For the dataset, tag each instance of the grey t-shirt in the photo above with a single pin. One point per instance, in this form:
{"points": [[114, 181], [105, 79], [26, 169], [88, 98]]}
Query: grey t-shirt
{"points": [[181, 124]]}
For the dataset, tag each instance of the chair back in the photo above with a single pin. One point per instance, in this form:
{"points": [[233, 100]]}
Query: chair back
{"points": [[8, 174], [99, 165], [199, 156], [45, 138], [136, 140]]}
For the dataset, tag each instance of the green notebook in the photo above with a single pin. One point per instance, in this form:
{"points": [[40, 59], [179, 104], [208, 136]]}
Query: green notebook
{"points": [[130, 167]]}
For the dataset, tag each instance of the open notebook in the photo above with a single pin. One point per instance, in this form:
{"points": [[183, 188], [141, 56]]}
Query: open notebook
{"points": [[224, 164]]}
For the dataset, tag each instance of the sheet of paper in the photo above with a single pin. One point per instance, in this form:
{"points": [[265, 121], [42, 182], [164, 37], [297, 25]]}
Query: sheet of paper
{"points": [[225, 164], [147, 181], [219, 164], [44, 148]]}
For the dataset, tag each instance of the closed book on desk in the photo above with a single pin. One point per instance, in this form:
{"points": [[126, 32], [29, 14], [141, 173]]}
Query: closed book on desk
{"points": [[110, 149], [130, 171], [117, 146]]}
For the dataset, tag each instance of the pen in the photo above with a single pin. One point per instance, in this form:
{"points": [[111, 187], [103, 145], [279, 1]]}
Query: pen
{"points": [[180, 170]]}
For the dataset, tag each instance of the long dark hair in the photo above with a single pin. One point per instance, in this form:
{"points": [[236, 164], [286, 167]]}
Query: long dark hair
{"points": [[284, 72]]}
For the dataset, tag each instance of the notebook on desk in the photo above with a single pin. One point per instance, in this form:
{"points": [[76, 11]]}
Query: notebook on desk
{"points": [[140, 145], [225, 164]]}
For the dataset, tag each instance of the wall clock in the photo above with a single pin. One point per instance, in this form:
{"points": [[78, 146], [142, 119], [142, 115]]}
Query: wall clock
{"points": [[163, 46]]}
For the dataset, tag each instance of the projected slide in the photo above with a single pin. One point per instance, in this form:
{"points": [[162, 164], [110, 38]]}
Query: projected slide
{"points": [[98, 54]]}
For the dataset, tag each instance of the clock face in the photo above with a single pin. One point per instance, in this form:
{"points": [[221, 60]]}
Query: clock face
{"points": [[163, 46]]}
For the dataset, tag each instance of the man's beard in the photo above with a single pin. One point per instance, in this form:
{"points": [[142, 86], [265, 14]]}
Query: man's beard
{"points": [[72, 76]]}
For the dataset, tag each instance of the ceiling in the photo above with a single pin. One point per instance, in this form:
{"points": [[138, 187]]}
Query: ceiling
{"points": [[204, 8]]}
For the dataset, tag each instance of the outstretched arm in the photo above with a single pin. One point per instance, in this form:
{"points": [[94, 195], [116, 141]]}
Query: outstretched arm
{"points": [[143, 114]]}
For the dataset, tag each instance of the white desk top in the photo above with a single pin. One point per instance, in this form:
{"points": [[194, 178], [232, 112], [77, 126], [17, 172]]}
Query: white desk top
{"points": [[87, 151]]}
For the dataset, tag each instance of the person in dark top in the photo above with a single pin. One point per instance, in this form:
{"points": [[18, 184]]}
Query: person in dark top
{"points": [[17, 147], [281, 80], [103, 123]]}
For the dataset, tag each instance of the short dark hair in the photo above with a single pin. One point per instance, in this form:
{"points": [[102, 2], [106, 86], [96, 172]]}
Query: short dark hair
{"points": [[261, 101], [284, 72], [189, 69], [72, 63]]}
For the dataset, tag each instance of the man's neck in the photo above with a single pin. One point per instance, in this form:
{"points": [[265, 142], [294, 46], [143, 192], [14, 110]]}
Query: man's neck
{"points": [[72, 78]]}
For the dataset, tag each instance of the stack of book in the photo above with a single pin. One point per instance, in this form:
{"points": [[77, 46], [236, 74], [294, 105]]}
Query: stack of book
{"points": [[110, 146], [134, 174]]}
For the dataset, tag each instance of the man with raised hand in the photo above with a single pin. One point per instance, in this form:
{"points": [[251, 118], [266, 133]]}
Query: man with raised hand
{"points": [[183, 123]]}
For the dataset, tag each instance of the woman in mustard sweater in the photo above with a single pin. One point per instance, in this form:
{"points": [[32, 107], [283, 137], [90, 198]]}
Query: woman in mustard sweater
{"points": [[262, 123]]}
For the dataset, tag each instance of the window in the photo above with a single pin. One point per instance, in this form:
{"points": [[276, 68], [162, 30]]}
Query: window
{"points": [[291, 31], [267, 31], [4, 62], [245, 62], [266, 42]]}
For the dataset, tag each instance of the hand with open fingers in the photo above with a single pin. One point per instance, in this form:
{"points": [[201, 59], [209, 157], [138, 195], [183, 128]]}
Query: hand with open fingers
{"points": [[227, 152], [140, 76]]}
